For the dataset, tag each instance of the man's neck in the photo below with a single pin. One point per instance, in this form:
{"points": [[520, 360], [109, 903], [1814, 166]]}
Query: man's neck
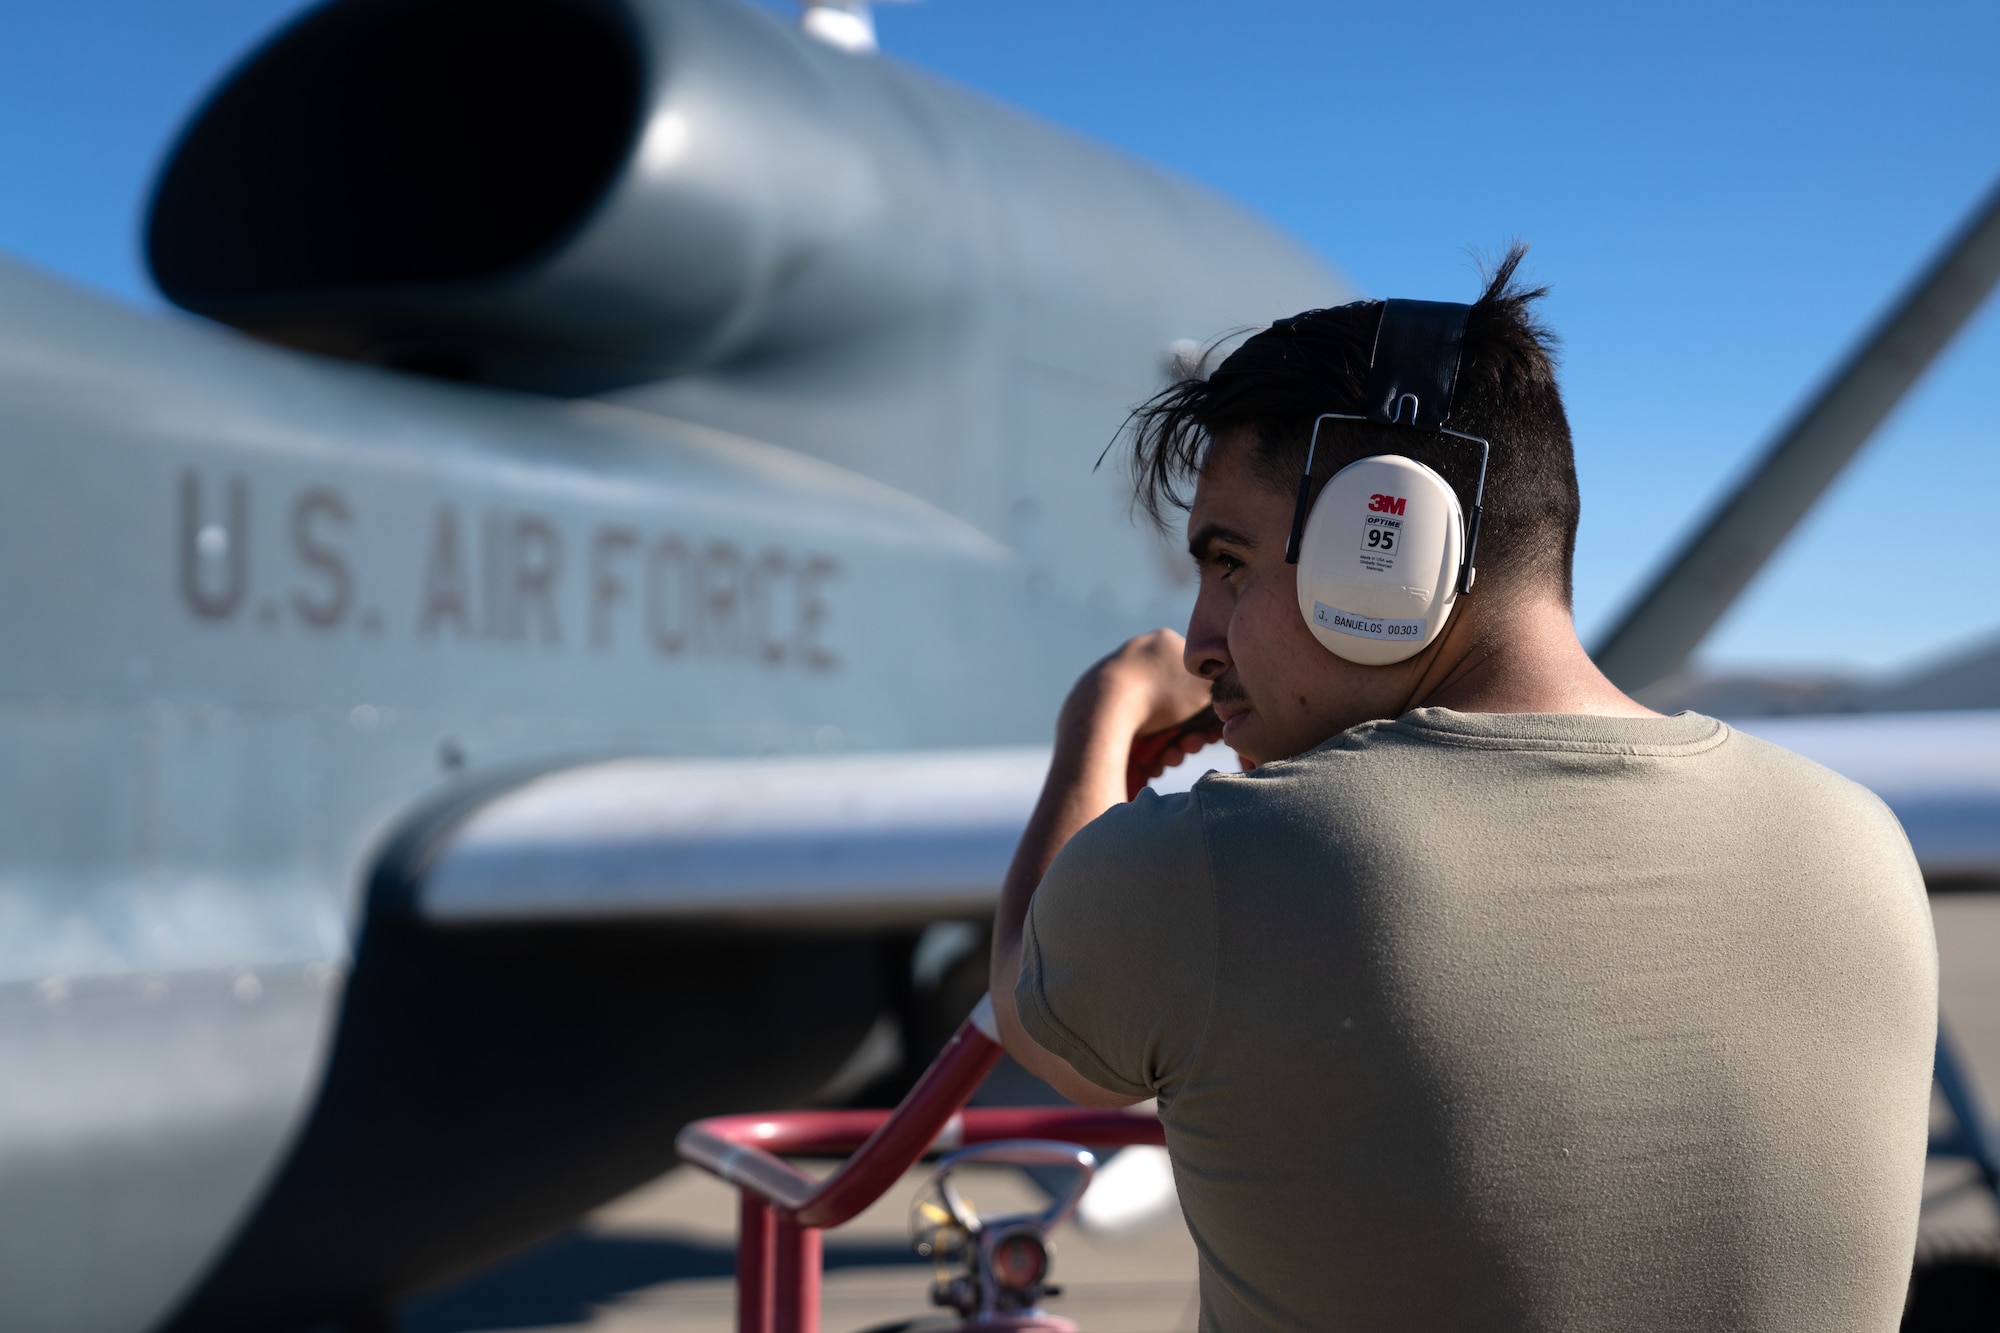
{"points": [[1523, 657]]}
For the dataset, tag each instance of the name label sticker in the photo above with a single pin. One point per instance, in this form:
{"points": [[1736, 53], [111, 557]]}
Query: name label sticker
{"points": [[1365, 627]]}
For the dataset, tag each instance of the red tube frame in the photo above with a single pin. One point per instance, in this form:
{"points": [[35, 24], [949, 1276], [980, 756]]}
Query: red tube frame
{"points": [[784, 1210]]}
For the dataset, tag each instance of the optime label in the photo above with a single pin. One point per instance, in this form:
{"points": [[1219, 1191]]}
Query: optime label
{"points": [[1380, 536]]}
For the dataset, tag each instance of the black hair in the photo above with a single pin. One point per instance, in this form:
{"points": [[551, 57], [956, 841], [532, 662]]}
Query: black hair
{"points": [[1283, 377]]}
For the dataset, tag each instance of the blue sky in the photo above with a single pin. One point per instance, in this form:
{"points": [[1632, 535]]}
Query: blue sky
{"points": [[1721, 196]]}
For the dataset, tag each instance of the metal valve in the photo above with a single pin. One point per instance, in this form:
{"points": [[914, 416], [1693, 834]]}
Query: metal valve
{"points": [[995, 1270]]}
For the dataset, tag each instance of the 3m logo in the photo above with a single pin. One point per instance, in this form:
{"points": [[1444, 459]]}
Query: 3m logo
{"points": [[1385, 504]]}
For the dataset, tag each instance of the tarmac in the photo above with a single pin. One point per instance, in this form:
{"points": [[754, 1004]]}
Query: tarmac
{"points": [[659, 1260]]}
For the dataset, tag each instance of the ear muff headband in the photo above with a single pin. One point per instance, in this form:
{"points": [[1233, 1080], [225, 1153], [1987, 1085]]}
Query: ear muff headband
{"points": [[1413, 367], [1412, 372], [1467, 573]]}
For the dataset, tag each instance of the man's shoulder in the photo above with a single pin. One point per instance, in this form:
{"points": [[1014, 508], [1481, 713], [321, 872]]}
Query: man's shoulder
{"points": [[1439, 760], [1140, 870], [1372, 780], [1771, 778], [1151, 826]]}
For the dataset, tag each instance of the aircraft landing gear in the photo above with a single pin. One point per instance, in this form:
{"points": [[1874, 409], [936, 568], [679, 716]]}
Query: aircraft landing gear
{"points": [[1955, 1282]]}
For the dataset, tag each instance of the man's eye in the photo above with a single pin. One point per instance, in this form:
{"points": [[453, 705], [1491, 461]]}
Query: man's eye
{"points": [[1225, 563]]}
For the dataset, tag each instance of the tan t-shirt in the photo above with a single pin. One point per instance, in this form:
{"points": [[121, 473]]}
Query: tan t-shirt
{"points": [[1514, 1021]]}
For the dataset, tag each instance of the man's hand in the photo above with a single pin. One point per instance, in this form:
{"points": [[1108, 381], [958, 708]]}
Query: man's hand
{"points": [[1145, 674], [1142, 688]]}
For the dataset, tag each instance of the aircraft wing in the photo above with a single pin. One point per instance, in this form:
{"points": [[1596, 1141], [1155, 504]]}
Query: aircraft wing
{"points": [[905, 838], [1935, 770], [865, 840]]}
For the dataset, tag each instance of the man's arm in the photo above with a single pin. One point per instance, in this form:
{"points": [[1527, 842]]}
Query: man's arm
{"points": [[1141, 688]]}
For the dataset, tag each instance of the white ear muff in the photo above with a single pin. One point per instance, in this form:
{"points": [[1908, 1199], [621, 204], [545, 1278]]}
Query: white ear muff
{"points": [[1379, 560]]}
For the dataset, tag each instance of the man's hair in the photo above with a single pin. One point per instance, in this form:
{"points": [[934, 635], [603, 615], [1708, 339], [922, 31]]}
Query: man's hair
{"points": [[1280, 379]]}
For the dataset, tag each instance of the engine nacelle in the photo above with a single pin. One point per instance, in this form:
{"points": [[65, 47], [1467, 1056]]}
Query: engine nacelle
{"points": [[565, 195]]}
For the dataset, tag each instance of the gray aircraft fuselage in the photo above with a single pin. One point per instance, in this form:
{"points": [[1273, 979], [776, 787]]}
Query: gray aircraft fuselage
{"points": [[268, 608]]}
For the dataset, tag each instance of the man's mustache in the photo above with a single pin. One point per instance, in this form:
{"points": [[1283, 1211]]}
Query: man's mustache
{"points": [[1227, 688]]}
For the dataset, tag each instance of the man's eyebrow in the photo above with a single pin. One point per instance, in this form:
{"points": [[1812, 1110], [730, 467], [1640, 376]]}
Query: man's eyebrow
{"points": [[1208, 534]]}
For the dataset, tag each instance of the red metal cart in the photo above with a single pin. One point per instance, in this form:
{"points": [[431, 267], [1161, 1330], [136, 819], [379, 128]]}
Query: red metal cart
{"points": [[784, 1210]]}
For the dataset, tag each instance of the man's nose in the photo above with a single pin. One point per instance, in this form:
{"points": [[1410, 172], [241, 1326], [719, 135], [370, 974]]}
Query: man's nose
{"points": [[1206, 653]]}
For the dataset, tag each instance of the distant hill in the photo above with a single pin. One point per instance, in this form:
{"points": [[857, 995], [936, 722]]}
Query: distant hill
{"points": [[1968, 678]]}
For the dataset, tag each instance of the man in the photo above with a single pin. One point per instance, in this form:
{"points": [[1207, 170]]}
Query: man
{"points": [[1489, 998]]}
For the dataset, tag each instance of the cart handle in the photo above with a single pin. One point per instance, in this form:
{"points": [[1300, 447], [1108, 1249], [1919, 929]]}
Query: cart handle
{"points": [[744, 1149]]}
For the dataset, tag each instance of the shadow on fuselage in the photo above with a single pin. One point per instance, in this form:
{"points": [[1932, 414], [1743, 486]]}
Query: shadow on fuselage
{"points": [[486, 1087]]}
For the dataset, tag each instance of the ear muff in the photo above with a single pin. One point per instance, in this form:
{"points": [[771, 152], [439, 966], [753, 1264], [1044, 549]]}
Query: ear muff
{"points": [[1379, 560], [1384, 553]]}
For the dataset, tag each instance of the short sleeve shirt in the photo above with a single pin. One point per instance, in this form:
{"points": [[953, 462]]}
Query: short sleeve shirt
{"points": [[1513, 1021]]}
